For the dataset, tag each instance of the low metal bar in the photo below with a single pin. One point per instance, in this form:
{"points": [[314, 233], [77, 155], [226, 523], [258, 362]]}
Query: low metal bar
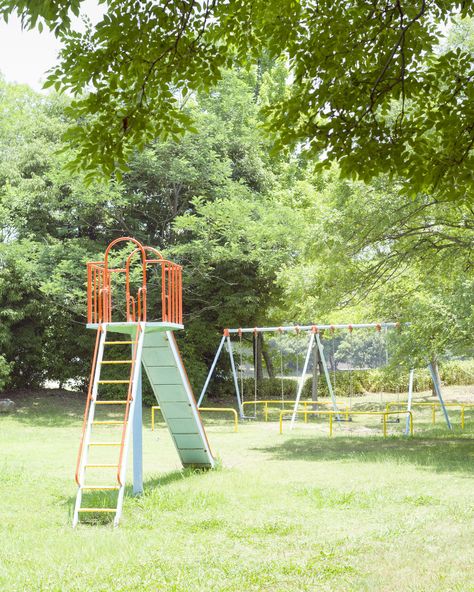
{"points": [[224, 410], [331, 414], [206, 409], [433, 406]]}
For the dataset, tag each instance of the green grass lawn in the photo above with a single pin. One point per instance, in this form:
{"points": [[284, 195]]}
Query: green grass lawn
{"points": [[291, 512]]}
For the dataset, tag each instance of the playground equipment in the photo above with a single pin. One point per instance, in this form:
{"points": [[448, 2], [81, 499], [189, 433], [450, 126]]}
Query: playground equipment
{"points": [[332, 414], [117, 304], [314, 349], [219, 410], [430, 405]]}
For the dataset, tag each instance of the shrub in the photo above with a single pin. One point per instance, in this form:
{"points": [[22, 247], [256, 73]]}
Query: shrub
{"points": [[375, 380], [4, 372]]}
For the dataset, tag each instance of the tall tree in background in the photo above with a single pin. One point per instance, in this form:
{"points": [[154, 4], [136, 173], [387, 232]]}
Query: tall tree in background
{"points": [[53, 222]]}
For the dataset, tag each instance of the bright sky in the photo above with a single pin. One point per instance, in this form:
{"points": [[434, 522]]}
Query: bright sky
{"points": [[25, 56]]}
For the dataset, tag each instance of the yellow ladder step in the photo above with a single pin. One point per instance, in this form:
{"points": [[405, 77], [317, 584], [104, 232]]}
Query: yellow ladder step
{"points": [[98, 510], [113, 382], [118, 342], [105, 444], [101, 466], [111, 402], [117, 361], [107, 423], [100, 487]]}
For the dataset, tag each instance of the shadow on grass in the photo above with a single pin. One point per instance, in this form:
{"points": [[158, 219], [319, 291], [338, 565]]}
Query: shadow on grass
{"points": [[54, 408], [47, 408], [108, 499], [437, 454]]}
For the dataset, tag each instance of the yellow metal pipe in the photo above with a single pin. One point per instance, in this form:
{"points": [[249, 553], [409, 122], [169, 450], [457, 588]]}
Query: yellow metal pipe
{"points": [[434, 406], [210, 409], [226, 410], [279, 401], [267, 402], [331, 414]]}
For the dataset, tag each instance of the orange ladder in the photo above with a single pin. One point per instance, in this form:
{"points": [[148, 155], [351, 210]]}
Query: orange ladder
{"points": [[92, 426]]}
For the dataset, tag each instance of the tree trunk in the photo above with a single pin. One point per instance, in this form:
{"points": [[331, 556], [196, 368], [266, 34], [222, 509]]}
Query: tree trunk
{"points": [[268, 360], [434, 365], [317, 372]]}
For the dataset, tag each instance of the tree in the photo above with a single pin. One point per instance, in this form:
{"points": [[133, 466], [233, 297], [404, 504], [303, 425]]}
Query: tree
{"points": [[370, 85], [52, 222], [376, 256]]}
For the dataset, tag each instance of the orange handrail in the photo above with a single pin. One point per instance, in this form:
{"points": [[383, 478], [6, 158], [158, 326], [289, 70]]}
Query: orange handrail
{"points": [[99, 278], [89, 399]]}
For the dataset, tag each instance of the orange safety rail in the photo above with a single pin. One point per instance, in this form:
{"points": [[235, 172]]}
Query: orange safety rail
{"points": [[100, 305]]}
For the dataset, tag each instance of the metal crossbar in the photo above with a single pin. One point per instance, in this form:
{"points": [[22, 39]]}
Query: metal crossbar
{"points": [[331, 414]]}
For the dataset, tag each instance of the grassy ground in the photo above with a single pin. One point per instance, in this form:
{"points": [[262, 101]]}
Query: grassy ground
{"points": [[283, 513]]}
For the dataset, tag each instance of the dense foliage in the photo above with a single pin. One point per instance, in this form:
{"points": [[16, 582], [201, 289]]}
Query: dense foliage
{"points": [[261, 238], [207, 201], [371, 85]]}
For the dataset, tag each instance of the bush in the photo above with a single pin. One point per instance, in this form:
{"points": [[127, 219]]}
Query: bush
{"points": [[363, 381], [375, 380], [4, 372]]}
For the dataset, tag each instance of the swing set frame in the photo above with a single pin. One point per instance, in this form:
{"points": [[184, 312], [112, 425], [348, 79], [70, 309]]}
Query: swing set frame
{"points": [[314, 341]]}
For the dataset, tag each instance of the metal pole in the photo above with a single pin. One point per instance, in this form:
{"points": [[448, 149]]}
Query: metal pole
{"points": [[138, 438], [309, 327], [437, 388], [326, 374], [410, 396], [301, 384], [211, 371], [236, 380]]}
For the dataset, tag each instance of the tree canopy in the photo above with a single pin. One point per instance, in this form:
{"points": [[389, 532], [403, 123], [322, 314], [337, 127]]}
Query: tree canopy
{"points": [[262, 235], [371, 84]]}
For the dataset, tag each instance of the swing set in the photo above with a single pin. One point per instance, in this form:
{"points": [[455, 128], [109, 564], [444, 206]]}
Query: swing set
{"points": [[320, 355]]}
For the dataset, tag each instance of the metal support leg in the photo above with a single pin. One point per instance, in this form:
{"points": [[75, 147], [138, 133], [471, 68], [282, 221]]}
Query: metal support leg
{"points": [[437, 388], [301, 380], [326, 375], [138, 439], [211, 371], [236, 379], [410, 396]]}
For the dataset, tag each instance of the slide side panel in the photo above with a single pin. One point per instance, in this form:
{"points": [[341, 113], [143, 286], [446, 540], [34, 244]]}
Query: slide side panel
{"points": [[170, 384]]}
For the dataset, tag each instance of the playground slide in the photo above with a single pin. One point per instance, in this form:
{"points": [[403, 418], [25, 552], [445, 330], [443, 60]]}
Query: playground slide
{"points": [[170, 384]]}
